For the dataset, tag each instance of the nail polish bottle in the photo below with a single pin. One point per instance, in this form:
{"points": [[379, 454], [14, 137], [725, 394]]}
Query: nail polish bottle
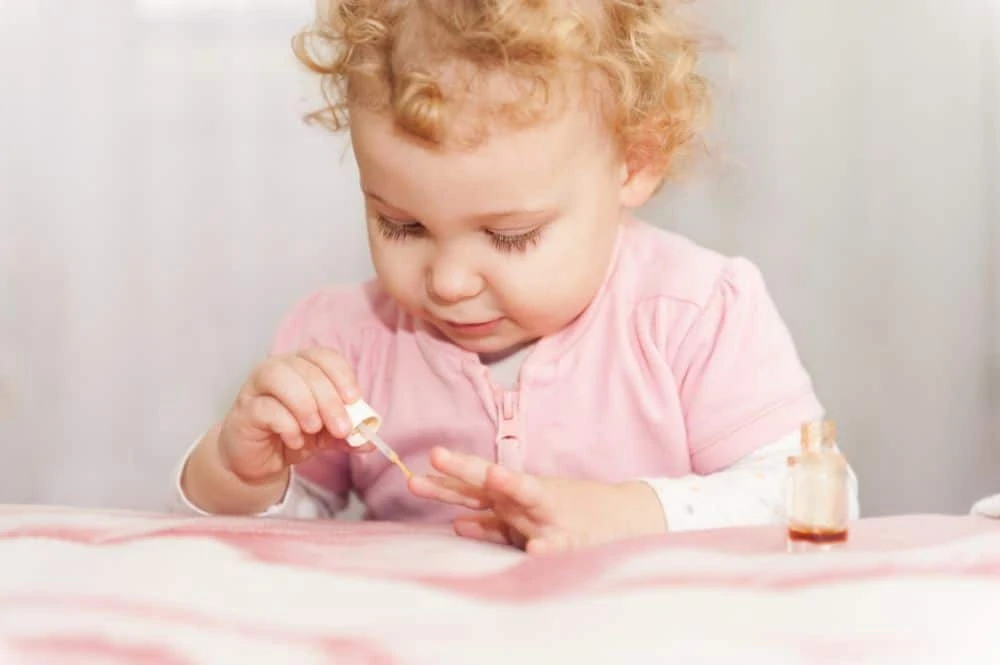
{"points": [[818, 492]]}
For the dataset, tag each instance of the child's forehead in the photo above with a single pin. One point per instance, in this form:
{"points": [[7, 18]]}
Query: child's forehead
{"points": [[527, 167], [552, 142]]}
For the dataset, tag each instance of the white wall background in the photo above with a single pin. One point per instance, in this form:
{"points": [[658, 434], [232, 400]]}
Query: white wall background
{"points": [[161, 204]]}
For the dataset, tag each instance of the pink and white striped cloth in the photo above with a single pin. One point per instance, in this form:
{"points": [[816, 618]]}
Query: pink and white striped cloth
{"points": [[113, 588]]}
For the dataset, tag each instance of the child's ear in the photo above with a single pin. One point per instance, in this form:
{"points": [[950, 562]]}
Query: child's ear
{"points": [[638, 184]]}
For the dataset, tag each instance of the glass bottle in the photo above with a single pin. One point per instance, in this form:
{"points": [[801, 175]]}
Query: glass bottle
{"points": [[818, 492]]}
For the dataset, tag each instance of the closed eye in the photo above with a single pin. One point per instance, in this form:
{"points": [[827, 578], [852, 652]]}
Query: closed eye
{"points": [[392, 229], [507, 242]]}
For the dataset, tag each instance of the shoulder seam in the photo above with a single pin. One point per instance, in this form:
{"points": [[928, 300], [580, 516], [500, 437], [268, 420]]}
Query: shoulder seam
{"points": [[725, 272]]}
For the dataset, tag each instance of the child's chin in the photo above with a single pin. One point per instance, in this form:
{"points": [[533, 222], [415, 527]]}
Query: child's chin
{"points": [[482, 345], [493, 344]]}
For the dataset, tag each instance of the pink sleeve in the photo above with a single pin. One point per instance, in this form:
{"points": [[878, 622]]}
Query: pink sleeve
{"points": [[741, 382], [313, 322]]}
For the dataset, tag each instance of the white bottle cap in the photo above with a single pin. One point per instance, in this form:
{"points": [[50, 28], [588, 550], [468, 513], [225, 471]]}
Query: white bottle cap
{"points": [[361, 414]]}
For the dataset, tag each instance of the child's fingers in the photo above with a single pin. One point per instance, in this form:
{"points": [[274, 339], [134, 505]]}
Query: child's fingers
{"points": [[294, 456], [448, 490], [279, 380], [467, 468], [549, 544], [338, 370], [523, 490], [486, 527], [268, 414], [519, 521], [328, 441], [331, 408]]}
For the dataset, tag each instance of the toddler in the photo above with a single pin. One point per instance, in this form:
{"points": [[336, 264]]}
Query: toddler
{"points": [[555, 372]]}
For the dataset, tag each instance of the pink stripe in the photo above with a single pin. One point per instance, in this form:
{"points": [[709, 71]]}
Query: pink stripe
{"points": [[899, 532], [354, 650], [316, 532], [530, 584], [877, 534], [55, 649]]}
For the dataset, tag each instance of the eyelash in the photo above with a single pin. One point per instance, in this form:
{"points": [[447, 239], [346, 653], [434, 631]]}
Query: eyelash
{"points": [[392, 230]]}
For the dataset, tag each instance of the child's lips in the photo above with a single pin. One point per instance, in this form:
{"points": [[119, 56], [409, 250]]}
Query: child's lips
{"points": [[474, 329]]}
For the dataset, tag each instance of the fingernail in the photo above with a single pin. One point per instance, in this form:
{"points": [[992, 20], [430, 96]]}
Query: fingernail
{"points": [[314, 423], [343, 426]]}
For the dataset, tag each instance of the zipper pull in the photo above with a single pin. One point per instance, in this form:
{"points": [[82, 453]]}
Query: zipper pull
{"points": [[508, 417], [508, 442]]}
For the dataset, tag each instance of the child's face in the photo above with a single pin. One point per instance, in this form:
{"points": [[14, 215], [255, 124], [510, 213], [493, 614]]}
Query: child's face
{"points": [[498, 245]]}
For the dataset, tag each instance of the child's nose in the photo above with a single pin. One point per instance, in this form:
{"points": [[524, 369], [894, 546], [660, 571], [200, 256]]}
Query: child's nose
{"points": [[450, 279]]}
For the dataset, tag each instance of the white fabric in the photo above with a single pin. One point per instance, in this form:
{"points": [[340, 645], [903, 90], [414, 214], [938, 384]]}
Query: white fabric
{"points": [[116, 587], [988, 507]]}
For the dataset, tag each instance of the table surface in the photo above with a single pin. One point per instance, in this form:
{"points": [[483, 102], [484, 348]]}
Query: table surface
{"points": [[83, 586]]}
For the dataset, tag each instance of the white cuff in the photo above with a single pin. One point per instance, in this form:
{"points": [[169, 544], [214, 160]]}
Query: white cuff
{"points": [[299, 500], [183, 504]]}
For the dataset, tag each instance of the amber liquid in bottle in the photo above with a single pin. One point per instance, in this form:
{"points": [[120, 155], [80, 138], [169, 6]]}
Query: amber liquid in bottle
{"points": [[819, 536]]}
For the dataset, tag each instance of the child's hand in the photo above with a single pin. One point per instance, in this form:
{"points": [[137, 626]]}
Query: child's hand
{"points": [[290, 407], [541, 515]]}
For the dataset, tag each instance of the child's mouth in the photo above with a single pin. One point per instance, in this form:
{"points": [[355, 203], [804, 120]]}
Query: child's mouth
{"points": [[473, 329]]}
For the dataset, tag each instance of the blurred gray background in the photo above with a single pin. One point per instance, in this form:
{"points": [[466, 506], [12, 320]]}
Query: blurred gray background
{"points": [[161, 205]]}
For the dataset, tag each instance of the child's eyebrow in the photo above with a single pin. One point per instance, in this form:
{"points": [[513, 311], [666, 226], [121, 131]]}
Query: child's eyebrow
{"points": [[371, 194], [529, 214]]}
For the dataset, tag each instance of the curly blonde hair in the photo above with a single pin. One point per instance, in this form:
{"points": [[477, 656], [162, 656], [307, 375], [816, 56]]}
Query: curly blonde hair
{"points": [[431, 65]]}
